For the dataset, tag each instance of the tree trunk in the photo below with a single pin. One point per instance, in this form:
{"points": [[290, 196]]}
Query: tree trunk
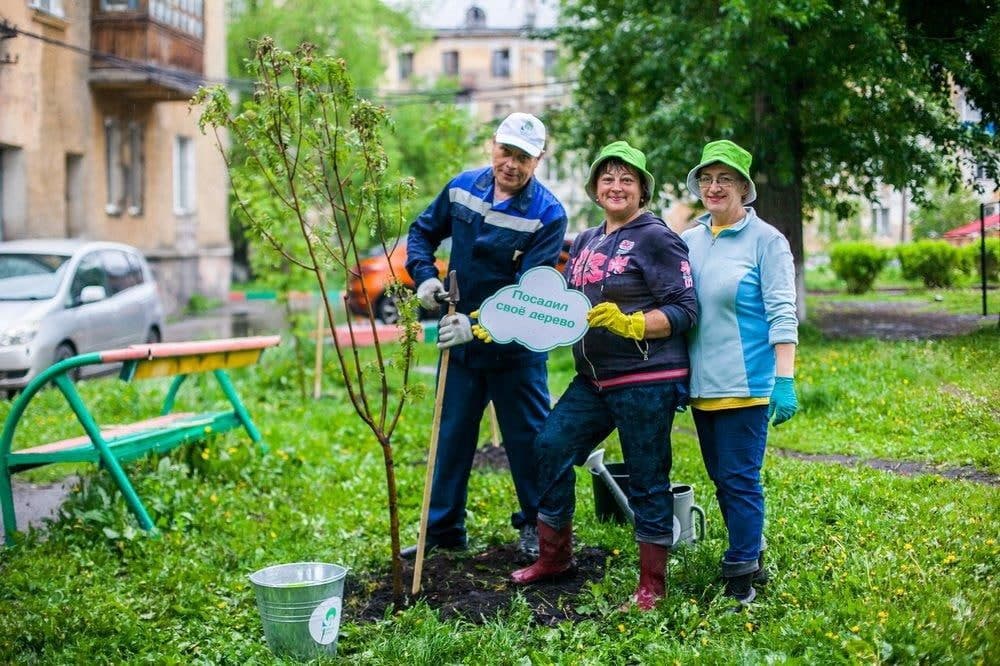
{"points": [[782, 208], [778, 153]]}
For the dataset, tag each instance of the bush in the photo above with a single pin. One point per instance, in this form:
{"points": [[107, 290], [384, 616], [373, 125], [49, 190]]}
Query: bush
{"points": [[971, 260], [857, 263], [935, 262]]}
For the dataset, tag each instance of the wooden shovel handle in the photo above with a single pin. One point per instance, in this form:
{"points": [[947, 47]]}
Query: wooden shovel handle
{"points": [[418, 563]]}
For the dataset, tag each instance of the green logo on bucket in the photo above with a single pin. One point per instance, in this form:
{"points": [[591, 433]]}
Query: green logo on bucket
{"points": [[324, 623]]}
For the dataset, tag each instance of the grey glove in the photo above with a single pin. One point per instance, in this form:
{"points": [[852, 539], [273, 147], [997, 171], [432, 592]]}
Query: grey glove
{"points": [[427, 291], [454, 330]]}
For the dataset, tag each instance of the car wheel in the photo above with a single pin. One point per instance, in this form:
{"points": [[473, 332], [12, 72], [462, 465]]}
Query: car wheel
{"points": [[153, 336], [386, 309], [63, 352]]}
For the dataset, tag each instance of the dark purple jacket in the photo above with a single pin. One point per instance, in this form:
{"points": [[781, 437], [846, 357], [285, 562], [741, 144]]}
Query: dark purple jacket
{"points": [[641, 266]]}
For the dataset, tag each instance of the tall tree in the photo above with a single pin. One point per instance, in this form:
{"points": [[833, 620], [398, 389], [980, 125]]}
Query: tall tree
{"points": [[832, 97]]}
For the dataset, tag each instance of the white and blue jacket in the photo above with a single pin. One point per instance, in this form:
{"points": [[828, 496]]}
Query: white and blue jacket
{"points": [[492, 245], [745, 282]]}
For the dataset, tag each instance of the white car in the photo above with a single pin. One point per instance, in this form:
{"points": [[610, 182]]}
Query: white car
{"points": [[62, 297]]}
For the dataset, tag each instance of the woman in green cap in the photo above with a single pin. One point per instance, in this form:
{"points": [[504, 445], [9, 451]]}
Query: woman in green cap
{"points": [[742, 350], [632, 370]]}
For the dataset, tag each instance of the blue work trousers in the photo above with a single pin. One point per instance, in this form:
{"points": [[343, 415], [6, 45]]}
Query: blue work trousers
{"points": [[582, 419], [732, 445], [520, 396]]}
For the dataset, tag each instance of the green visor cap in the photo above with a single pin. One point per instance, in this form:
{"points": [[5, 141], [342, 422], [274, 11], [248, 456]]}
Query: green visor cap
{"points": [[626, 153], [728, 153]]}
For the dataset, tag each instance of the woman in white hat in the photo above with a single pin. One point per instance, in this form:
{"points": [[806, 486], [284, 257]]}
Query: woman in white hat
{"points": [[742, 349]]}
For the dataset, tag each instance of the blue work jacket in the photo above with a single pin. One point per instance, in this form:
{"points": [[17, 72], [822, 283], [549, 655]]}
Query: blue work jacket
{"points": [[491, 246]]}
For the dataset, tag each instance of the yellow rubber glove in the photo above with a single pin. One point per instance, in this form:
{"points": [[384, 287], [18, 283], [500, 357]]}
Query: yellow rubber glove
{"points": [[478, 330], [608, 315]]}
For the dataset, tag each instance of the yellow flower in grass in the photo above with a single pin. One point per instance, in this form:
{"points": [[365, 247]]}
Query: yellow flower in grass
{"points": [[231, 450], [213, 498], [950, 558], [204, 454], [621, 628], [855, 629]]}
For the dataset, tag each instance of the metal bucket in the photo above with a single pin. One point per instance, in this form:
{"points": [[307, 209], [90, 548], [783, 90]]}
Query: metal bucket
{"points": [[300, 607]]}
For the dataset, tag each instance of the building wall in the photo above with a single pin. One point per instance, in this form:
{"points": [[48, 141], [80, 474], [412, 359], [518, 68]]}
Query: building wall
{"points": [[43, 117], [53, 155]]}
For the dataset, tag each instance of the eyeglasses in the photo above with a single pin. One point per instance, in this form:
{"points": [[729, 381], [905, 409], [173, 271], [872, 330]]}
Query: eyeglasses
{"points": [[725, 181]]}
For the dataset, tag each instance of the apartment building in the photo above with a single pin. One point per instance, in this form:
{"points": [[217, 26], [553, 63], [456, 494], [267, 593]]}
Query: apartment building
{"points": [[96, 137]]}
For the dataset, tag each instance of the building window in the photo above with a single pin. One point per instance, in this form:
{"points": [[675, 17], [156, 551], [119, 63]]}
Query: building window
{"points": [[54, 7], [405, 65], [449, 63], [124, 167], [184, 178], [981, 172], [114, 170], [119, 5], [184, 15], [549, 60], [135, 171], [880, 220], [500, 66], [475, 17]]}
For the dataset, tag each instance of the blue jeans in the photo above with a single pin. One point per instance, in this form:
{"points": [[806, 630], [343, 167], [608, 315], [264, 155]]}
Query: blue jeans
{"points": [[585, 416], [732, 445], [521, 398]]}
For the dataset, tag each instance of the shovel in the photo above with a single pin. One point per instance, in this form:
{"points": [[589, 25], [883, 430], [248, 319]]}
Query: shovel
{"points": [[595, 463], [418, 563]]}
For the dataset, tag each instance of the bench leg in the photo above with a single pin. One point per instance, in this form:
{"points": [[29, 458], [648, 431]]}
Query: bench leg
{"points": [[107, 457], [241, 411], [7, 507]]}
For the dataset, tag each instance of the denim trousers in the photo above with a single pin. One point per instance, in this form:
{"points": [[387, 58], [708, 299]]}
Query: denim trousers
{"points": [[520, 395], [732, 446], [582, 419]]}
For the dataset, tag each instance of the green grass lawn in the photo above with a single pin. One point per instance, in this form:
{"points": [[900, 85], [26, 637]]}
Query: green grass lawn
{"points": [[870, 567]]}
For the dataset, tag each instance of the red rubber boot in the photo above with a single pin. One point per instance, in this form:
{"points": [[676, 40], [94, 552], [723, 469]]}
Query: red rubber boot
{"points": [[555, 556], [653, 561]]}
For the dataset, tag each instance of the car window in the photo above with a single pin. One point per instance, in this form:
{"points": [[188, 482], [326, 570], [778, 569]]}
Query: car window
{"points": [[119, 271], [89, 273], [135, 268], [25, 277]]}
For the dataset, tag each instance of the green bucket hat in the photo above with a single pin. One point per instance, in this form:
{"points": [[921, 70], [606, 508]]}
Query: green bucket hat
{"points": [[626, 153], [727, 153]]}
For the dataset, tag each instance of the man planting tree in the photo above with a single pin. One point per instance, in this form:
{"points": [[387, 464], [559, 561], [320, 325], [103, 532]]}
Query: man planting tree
{"points": [[502, 222]]}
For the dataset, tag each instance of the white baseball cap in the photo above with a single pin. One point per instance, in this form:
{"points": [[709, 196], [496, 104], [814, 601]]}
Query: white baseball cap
{"points": [[524, 131]]}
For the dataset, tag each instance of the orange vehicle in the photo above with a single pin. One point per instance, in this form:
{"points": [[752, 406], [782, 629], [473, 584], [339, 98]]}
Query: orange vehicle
{"points": [[375, 272]]}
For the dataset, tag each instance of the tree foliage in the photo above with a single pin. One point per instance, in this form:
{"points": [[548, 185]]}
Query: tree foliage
{"points": [[944, 210], [427, 140], [832, 97]]}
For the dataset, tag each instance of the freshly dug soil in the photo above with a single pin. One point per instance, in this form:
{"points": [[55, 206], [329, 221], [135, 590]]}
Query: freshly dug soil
{"points": [[475, 586]]}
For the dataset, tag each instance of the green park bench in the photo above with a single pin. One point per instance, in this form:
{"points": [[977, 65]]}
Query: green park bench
{"points": [[114, 444]]}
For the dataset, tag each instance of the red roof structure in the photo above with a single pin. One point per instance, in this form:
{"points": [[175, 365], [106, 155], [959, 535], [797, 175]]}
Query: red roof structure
{"points": [[970, 230]]}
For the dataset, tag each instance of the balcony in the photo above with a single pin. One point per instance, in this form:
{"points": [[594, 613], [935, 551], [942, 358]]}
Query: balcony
{"points": [[151, 49]]}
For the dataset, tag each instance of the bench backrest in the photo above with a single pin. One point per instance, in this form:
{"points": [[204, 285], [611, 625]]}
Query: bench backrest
{"points": [[161, 359]]}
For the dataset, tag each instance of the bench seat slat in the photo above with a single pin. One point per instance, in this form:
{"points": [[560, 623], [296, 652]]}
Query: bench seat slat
{"points": [[131, 445], [109, 434]]}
